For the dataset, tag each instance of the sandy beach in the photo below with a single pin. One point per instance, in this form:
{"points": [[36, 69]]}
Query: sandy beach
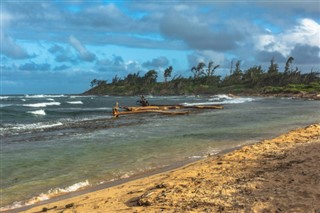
{"points": [[277, 175]]}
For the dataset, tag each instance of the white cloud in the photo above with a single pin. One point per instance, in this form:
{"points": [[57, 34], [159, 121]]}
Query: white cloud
{"points": [[83, 52], [306, 32], [11, 49], [6, 18]]}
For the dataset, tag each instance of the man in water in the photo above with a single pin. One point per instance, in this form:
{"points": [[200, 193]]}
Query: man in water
{"points": [[144, 101]]}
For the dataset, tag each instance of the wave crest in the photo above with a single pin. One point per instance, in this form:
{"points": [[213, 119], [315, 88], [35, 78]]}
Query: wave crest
{"points": [[45, 196], [44, 96], [38, 112], [44, 104], [222, 99], [74, 102]]}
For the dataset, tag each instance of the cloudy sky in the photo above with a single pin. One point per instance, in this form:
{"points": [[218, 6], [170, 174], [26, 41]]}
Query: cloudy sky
{"points": [[59, 46]]}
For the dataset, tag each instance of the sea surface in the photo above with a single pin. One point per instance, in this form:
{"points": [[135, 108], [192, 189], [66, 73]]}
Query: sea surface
{"points": [[55, 144]]}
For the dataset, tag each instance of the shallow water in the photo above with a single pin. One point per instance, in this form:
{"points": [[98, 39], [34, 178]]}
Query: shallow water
{"points": [[55, 144]]}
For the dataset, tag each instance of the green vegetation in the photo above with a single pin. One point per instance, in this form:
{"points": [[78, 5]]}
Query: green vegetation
{"points": [[204, 81]]}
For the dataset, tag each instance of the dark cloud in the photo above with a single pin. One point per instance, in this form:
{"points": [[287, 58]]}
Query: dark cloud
{"points": [[156, 63], [118, 61], [305, 54], [62, 54], [198, 35], [35, 67], [117, 64], [138, 42], [107, 17], [265, 56], [56, 49], [62, 67], [206, 56], [290, 6]]}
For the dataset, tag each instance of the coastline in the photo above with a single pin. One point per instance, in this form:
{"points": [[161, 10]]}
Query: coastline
{"points": [[279, 174]]}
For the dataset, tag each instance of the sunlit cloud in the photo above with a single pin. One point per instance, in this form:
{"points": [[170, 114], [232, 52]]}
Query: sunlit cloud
{"points": [[306, 32]]}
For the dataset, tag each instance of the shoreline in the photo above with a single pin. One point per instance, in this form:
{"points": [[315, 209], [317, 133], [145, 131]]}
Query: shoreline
{"points": [[244, 173], [117, 182]]}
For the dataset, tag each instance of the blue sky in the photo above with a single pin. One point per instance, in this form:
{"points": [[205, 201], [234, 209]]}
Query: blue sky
{"points": [[53, 47]]}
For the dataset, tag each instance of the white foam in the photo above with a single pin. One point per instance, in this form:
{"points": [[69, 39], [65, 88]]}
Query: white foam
{"points": [[220, 97], [228, 101], [4, 97], [71, 188], [44, 96], [44, 104], [50, 99], [77, 96], [38, 112], [74, 102], [30, 126], [45, 196]]}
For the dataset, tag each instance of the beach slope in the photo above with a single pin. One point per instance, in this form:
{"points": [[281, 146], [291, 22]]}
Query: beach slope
{"points": [[276, 175]]}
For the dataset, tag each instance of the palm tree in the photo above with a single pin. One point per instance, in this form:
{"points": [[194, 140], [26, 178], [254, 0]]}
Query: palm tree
{"points": [[211, 69], [273, 68], [198, 71], [167, 73], [151, 76], [288, 63]]}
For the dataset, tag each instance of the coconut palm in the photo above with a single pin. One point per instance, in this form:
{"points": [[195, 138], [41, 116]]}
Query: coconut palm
{"points": [[167, 73]]}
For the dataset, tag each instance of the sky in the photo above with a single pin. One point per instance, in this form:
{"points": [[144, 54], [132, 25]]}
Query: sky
{"points": [[60, 46]]}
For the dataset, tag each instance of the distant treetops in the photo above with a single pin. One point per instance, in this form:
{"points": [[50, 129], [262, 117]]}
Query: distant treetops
{"points": [[205, 80]]}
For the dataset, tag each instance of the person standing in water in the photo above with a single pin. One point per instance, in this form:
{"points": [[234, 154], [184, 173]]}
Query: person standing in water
{"points": [[144, 101]]}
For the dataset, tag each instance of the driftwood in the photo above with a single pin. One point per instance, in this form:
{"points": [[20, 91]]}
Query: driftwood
{"points": [[116, 114], [163, 109], [205, 107]]}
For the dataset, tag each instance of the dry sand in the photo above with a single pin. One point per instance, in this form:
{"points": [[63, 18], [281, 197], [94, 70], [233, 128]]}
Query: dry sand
{"points": [[277, 175]]}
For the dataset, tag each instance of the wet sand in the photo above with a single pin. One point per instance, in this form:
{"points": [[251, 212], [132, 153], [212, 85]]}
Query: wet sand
{"points": [[277, 175]]}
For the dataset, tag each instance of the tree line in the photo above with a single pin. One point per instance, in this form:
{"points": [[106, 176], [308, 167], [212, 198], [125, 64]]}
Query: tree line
{"points": [[205, 81]]}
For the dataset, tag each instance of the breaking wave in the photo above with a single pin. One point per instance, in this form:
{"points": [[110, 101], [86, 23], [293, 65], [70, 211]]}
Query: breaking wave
{"points": [[222, 99], [74, 102], [38, 112], [23, 127], [44, 104], [44, 96], [46, 196]]}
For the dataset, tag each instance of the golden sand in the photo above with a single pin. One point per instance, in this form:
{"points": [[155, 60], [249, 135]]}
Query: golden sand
{"points": [[277, 175]]}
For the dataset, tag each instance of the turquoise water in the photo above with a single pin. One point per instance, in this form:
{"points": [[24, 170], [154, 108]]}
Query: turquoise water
{"points": [[49, 149]]}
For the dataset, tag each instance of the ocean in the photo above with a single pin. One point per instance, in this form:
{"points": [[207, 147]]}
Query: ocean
{"points": [[56, 144]]}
